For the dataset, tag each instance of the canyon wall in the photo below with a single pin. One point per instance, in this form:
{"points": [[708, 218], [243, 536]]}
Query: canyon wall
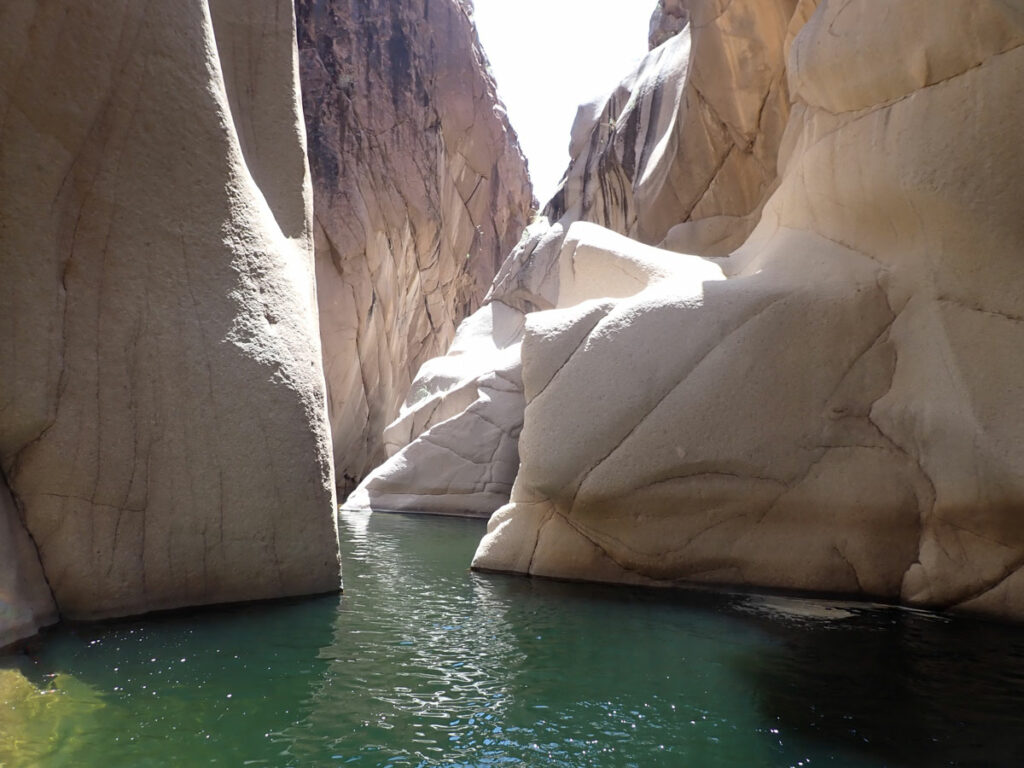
{"points": [[162, 406], [813, 382], [666, 159], [420, 192]]}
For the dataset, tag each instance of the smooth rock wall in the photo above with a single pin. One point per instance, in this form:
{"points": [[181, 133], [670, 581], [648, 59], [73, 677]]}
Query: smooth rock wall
{"points": [[683, 152], [162, 405], [420, 192], [821, 390], [839, 413]]}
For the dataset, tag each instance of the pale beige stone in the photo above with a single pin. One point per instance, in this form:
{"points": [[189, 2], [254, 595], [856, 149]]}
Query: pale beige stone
{"points": [[659, 158], [690, 136], [457, 433], [420, 192], [840, 413], [26, 603], [834, 405], [162, 406]]}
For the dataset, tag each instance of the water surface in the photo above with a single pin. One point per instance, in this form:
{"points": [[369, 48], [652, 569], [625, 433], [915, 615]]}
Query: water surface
{"points": [[422, 663]]}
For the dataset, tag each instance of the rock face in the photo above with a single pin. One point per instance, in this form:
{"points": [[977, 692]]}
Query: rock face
{"points": [[26, 603], [420, 192], [669, 19], [834, 405], [675, 156], [655, 160], [162, 420], [456, 437]]}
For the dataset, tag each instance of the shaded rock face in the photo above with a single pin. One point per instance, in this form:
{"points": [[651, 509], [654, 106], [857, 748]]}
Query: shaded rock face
{"points": [[162, 419], [420, 192], [26, 603], [833, 406], [669, 19], [674, 156]]}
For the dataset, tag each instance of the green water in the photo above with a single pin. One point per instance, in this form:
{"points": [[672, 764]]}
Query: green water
{"points": [[423, 663]]}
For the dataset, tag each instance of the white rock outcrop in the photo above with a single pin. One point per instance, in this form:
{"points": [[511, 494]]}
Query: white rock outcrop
{"points": [[663, 159], [839, 413], [834, 405], [458, 432], [162, 405]]}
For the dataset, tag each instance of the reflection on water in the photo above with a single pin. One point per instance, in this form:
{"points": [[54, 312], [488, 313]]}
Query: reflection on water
{"points": [[908, 687], [423, 663]]}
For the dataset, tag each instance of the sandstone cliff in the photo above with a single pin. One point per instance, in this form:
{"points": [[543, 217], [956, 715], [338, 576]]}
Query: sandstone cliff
{"points": [[162, 419], [420, 192], [665, 159], [833, 405]]}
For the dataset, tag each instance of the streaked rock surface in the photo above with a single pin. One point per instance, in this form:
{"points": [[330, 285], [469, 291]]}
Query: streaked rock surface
{"points": [[420, 192], [162, 407], [26, 603], [837, 415], [641, 165], [824, 395]]}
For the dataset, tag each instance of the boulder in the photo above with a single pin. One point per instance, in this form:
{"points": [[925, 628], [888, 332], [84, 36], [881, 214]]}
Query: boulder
{"points": [[162, 405], [420, 192], [457, 433], [838, 414]]}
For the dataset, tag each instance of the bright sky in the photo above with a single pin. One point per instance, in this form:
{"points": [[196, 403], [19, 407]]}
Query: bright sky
{"points": [[548, 57]]}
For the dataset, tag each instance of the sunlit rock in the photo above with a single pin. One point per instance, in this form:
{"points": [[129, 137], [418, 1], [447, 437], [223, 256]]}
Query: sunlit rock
{"points": [[162, 408], [839, 414], [655, 161], [462, 408], [684, 151]]}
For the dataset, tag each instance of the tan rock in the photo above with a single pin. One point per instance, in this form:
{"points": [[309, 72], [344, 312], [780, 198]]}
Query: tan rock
{"points": [[161, 392], [457, 434], [675, 155], [641, 165], [421, 191], [669, 19], [26, 603], [839, 414]]}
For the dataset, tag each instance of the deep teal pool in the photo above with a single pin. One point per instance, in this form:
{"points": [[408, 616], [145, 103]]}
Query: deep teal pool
{"points": [[422, 663]]}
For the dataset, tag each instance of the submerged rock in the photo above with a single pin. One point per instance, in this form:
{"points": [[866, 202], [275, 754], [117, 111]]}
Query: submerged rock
{"points": [[420, 192], [162, 408]]}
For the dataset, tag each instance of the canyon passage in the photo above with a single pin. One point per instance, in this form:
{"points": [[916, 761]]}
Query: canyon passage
{"points": [[270, 273]]}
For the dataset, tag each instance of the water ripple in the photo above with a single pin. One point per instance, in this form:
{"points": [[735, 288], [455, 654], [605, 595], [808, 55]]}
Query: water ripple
{"points": [[422, 663]]}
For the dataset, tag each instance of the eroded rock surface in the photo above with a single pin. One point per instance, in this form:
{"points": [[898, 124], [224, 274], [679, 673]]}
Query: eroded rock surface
{"points": [[459, 430], [683, 152], [421, 191], [837, 414], [162, 419], [832, 405], [641, 165], [26, 603]]}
